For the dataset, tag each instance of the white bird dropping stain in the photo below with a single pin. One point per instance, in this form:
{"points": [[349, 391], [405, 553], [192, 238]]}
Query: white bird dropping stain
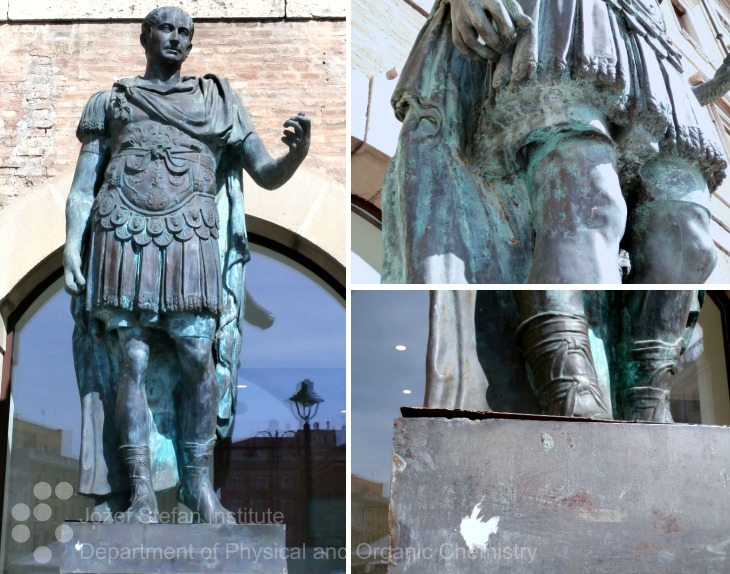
{"points": [[475, 532], [547, 441]]}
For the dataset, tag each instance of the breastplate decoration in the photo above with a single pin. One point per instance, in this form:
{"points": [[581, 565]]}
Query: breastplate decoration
{"points": [[159, 186]]}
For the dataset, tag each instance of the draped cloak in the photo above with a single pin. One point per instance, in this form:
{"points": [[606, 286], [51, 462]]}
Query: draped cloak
{"points": [[193, 134]]}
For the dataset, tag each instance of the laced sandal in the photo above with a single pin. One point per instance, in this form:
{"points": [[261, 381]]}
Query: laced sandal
{"points": [[143, 502], [557, 350], [195, 491], [648, 373]]}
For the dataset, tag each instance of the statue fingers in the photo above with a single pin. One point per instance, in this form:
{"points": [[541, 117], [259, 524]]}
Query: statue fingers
{"points": [[519, 18], [303, 121], [74, 281], [485, 36], [501, 19], [291, 139], [466, 41], [460, 45], [293, 124]]}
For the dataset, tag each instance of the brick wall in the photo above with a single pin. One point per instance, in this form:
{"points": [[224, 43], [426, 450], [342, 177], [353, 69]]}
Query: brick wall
{"points": [[278, 68]]}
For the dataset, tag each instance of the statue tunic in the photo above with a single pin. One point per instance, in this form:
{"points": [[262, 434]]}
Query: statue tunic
{"points": [[154, 221]]}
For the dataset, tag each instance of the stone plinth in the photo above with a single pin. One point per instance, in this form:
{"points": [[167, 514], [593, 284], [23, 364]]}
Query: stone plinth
{"points": [[549, 494], [174, 549]]}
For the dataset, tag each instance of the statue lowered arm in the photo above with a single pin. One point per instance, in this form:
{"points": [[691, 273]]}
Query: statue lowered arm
{"points": [[89, 170], [473, 24], [715, 88], [272, 173]]}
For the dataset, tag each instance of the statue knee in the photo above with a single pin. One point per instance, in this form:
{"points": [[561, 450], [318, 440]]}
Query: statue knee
{"points": [[699, 255], [135, 355], [670, 242], [576, 191], [195, 353]]}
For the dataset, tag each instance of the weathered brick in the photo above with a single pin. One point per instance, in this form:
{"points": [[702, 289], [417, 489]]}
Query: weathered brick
{"points": [[50, 71]]}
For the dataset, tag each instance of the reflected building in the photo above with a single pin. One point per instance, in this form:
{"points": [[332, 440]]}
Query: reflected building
{"points": [[369, 511], [369, 526], [39, 457], [264, 479]]}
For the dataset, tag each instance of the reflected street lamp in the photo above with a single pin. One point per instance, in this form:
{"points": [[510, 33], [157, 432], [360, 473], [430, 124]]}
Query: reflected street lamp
{"points": [[306, 401]]}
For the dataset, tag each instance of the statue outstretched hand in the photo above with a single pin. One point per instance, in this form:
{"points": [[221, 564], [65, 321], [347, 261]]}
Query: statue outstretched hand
{"points": [[482, 29], [270, 173], [298, 138]]}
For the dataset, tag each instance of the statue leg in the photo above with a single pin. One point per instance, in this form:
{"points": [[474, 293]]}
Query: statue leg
{"points": [[653, 324], [133, 423], [199, 409], [554, 339], [668, 234], [580, 213], [108, 507]]}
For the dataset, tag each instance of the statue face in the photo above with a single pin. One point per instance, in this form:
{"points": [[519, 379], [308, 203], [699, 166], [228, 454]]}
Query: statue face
{"points": [[170, 40]]}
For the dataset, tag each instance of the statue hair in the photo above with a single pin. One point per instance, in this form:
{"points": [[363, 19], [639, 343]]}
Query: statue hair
{"points": [[153, 19]]}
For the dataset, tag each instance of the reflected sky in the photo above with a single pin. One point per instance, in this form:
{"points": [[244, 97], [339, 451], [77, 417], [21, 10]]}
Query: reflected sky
{"points": [[306, 341], [379, 373]]}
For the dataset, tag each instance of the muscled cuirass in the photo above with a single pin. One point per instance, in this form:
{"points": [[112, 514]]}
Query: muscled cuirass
{"points": [[159, 185]]}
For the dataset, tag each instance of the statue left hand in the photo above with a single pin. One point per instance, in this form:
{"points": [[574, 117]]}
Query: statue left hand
{"points": [[724, 67], [298, 140], [716, 87]]}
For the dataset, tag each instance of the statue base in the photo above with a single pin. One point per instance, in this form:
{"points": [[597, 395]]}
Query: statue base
{"points": [[491, 492], [111, 548]]}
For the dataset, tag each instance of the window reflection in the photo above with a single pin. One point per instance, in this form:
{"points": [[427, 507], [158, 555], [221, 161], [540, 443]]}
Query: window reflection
{"points": [[256, 470]]}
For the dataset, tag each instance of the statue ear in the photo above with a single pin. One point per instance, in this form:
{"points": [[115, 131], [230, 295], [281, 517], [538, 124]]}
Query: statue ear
{"points": [[190, 47], [143, 40]]}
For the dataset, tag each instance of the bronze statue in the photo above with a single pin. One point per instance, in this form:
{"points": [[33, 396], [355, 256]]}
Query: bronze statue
{"points": [[550, 142], [155, 249], [589, 354]]}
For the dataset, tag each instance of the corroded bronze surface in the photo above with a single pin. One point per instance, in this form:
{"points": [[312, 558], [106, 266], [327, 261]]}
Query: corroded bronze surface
{"points": [[550, 142], [155, 249]]}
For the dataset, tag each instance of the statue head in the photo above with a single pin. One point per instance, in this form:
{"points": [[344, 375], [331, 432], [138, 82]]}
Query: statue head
{"points": [[167, 33]]}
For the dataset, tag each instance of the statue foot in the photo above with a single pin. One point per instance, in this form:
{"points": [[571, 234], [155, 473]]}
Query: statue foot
{"points": [[196, 492], [584, 399], [558, 353], [648, 371], [142, 509], [143, 506], [200, 498], [108, 507], [646, 404]]}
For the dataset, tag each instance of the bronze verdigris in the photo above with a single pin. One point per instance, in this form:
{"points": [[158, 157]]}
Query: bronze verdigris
{"points": [[589, 354], [550, 142], [155, 253]]}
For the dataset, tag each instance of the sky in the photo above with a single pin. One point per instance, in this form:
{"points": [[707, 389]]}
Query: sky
{"points": [[306, 341], [379, 373]]}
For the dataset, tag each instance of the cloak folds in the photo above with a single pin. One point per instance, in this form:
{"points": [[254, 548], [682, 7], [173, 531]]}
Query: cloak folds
{"points": [[221, 122]]}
